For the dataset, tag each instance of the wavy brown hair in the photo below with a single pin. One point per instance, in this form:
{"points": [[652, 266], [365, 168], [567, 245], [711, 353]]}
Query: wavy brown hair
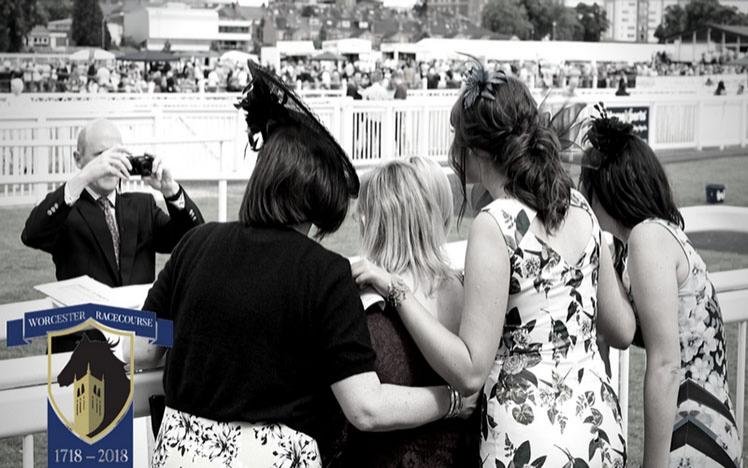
{"points": [[506, 125]]}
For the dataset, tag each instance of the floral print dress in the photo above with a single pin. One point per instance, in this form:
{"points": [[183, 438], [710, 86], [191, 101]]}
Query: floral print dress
{"points": [[548, 401], [704, 431], [188, 441]]}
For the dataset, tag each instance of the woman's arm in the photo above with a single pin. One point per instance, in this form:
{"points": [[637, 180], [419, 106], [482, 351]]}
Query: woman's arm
{"points": [[616, 321], [653, 258], [463, 360], [372, 406], [148, 356]]}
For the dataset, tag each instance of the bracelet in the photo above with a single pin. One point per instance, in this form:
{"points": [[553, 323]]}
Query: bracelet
{"points": [[455, 402], [396, 291]]}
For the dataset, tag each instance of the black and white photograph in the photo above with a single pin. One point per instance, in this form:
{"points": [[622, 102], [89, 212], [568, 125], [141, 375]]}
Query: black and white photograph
{"points": [[373, 233]]}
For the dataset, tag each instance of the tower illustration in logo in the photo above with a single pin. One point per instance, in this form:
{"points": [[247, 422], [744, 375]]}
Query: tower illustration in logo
{"points": [[101, 389], [89, 403]]}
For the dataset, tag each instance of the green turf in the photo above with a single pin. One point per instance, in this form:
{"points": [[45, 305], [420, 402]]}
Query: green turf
{"points": [[23, 268]]}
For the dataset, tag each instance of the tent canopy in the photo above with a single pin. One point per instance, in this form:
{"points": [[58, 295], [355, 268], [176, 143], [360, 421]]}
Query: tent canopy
{"points": [[90, 54], [148, 56], [329, 56], [237, 56]]}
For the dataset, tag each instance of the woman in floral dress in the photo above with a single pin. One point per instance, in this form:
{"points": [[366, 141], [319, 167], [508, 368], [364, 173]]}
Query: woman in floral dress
{"points": [[688, 417], [538, 289]]}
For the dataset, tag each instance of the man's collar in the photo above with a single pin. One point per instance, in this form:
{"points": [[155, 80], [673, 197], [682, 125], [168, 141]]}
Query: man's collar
{"points": [[112, 195]]}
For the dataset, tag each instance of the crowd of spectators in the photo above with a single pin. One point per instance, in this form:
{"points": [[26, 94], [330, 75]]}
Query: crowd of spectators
{"points": [[354, 78]]}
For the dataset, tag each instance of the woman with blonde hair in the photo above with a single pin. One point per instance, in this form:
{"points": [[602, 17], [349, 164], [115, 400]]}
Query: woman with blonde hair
{"points": [[404, 220], [437, 185], [538, 290]]}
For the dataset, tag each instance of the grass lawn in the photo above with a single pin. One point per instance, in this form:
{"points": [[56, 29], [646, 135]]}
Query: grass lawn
{"points": [[22, 268]]}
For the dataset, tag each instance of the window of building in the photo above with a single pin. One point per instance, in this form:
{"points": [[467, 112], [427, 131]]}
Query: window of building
{"points": [[234, 29]]}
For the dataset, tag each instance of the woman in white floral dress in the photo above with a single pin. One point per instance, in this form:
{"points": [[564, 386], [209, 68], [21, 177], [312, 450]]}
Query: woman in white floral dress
{"points": [[689, 420], [538, 289]]}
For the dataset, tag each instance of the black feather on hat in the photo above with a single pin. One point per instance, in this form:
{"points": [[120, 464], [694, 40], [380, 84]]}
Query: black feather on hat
{"points": [[269, 104]]}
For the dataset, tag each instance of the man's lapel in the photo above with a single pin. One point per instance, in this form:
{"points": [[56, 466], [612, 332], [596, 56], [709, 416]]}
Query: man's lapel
{"points": [[94, 217], [127, 219]]}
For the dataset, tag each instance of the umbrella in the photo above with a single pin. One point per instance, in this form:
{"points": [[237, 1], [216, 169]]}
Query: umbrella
{"points": [[238, 56], [329, 56], [148, 56], [89, 54]]}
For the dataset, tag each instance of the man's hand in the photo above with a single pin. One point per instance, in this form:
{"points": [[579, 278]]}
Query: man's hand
{"points": [[110, 163], [161, 179]]}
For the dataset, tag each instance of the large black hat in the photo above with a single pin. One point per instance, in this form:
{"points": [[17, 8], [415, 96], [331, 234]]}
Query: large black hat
{"points": [[269, 104]]}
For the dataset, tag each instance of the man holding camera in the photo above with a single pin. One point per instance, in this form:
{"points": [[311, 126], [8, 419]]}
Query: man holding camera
{"points": [[91, 229]]}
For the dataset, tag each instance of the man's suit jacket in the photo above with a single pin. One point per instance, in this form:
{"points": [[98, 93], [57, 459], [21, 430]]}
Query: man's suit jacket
{"points": [[80, 243]]}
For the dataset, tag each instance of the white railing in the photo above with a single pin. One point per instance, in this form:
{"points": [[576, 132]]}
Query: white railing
{"points": [[199, 134], [23, 381]]}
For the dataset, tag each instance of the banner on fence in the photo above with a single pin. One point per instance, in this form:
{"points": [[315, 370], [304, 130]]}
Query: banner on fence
{"points": [[90, 396], [638, 116]]}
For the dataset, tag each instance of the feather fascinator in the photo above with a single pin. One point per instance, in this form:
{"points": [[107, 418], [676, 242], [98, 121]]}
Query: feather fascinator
{"points": [[480, 83], [607, 136], [269, 104]]}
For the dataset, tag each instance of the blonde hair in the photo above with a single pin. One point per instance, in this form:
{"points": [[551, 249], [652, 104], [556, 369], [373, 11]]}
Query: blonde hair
{"points": [[437, 184], [402, 226]]}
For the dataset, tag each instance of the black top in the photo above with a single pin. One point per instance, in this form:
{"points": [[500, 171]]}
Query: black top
{"points": [[447, 443], [79, 240], [265, 319]]}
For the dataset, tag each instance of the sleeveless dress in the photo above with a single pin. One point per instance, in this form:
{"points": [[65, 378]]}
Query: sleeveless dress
{"points": [[548, 401], [447, 443], [704, 431]]}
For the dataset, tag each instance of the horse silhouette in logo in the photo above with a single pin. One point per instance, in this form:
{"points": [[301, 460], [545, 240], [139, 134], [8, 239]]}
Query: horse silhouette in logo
{"points": [[100, 385]]}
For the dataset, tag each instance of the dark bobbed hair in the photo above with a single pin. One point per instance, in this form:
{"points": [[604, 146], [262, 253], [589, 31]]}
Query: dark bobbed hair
{"points": [[509, 128], [631, 184], [294, 182]]}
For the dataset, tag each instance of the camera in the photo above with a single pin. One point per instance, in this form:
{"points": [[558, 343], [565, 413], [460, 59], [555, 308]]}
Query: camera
{"points": [[141, 165]]}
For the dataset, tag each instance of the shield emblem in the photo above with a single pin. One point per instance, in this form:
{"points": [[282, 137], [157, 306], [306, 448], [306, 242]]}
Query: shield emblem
{"points": [[91, 391]]}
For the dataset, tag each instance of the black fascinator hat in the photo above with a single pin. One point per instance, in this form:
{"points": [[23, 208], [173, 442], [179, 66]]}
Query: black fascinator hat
{"points": [[607, 136], [269, 105]]}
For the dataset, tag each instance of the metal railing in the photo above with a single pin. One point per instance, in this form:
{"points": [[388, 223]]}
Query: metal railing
{"points": [[23, 381]]}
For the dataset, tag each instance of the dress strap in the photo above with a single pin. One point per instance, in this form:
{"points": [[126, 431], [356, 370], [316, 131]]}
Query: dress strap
{"points": [[513, 218], [578, 200], [680, 237]]}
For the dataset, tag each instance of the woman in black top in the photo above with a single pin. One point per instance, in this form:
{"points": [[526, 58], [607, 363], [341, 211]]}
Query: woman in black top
{"points": [[267, 321]]}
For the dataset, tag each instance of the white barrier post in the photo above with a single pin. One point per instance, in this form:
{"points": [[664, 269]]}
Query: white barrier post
{"points": [[28, 451], [740, 397], [40, 162], [699, 125]]}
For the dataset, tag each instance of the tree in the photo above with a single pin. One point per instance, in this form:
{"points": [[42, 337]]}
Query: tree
{"points": [[507, 17], [593, 20], [17, 18], [421, 8], [542, 15], [308, 11], [321, 37], [88, 24], [673, 21], [57, 9], [568, 27], [697, 14]]}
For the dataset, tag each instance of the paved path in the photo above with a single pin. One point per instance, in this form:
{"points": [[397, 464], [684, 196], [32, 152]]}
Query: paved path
{"points": [[685, 155]]}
